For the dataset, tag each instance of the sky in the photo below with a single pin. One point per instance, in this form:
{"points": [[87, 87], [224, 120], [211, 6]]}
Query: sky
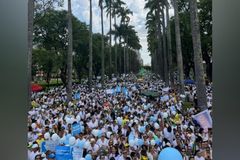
{"points": [[80, 9]]}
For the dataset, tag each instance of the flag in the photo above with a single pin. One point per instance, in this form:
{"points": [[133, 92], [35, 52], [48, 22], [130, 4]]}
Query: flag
{"points": [[204, 119], [125, 91], [118, 89], [77, 96]]}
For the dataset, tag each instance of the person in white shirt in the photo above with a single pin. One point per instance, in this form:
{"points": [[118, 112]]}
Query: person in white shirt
{"points": [[34, 152], [78, 149], [103, 141], [199, 156], [168, 134], [114, 127], [93, 123], [93, 147]]}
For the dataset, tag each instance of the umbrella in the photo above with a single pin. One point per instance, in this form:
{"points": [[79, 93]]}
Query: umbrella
{"points": [[36, 88], [189, 81], [149, 93]]}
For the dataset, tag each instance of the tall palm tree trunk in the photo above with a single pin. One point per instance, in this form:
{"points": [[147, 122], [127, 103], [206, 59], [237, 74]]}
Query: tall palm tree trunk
{"points": [[124, 59], [201, 89], [115, 40], [127, 57], [120, 57], [90, 48], [159, 46], [102, 49], [170, 67], [69, 56], [129, 61], [30, 47], [165, 50], [178, 48], [110, 47]]}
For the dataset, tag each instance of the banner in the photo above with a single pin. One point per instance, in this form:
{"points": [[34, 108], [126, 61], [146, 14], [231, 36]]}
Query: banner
{"points": [[204, 119], [76, 129], [63, 153], [109, 91], [125, 91], [77, 96], [118, 89], [166, 89]]}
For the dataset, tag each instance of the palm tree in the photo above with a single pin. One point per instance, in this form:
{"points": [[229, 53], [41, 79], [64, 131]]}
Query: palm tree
{"points": [[169, 44], [152, 38], [165, 75], [102, 49], [30, 46], [178, 47], [109, 13], [69, 57], [117, 32], [124, 13], [159, 45], [155, 39], [199, 73], [90, 48], [117, 4]]}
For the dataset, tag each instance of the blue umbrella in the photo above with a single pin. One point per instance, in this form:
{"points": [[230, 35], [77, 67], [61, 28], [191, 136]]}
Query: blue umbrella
{"points": [[189, 81]]}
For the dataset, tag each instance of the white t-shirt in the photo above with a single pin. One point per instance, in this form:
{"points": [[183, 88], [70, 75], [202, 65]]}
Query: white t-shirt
{"points": [[150, 156], [168, 135], [199, 158], [94, 149], [32, 155], [102, 143], [92, 124]]}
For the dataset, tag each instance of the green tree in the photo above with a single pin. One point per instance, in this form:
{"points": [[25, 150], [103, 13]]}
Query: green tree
{"points": [[45, 60], [50, 33]]}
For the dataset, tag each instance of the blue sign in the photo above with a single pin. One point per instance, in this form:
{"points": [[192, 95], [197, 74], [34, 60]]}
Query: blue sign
{"points": [[125, 91], [43, 147], [77, 96], [76, 129], [63, 153], [118, 89]]}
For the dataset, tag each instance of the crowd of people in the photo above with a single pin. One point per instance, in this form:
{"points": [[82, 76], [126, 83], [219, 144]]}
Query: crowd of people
{"points": [[118, 125]]}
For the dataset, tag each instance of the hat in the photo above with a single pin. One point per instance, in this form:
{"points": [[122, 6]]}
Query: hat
{"points": [[34, 146], [40, 134], [43, 155]]}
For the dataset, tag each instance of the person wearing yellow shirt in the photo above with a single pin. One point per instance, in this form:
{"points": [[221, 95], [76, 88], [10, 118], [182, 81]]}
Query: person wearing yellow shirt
{"points": [[40, 139], [177, 119]]}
